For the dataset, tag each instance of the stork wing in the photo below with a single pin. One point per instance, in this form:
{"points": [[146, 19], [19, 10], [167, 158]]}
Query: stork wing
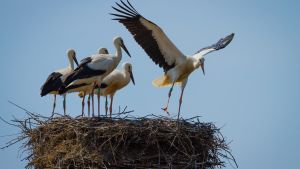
{"points": [[53, 83], [222, 43], [93, 66], [149, 36]]}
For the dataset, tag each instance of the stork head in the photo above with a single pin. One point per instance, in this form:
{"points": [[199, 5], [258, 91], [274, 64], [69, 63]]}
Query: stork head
{"points": [[72, 55], [102, 51], [128, 68], [118, 41]]}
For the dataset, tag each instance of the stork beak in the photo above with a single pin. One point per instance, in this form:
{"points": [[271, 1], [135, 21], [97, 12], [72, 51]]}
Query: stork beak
{"points": [[75, 60], [131, 76], [125, 49], [202, 67]]}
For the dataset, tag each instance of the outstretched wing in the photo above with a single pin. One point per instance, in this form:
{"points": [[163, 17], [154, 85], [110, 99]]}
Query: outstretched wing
{"points": [[149, 36], [222, 43]]}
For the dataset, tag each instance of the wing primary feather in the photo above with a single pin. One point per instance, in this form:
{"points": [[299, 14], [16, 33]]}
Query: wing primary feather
{"points": [[143, 36], [123, 12], [121, 16], [128, 7], [128, 10], [131, 6]]}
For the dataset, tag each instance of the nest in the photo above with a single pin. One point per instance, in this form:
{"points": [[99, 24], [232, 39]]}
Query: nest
{"points": [[121, 142]]}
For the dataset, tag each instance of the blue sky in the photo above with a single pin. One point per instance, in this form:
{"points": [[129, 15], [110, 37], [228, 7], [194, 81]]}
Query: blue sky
{"points": [[251, 88]]}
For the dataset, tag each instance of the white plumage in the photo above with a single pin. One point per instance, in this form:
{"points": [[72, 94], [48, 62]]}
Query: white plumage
{"points": [[162, 51], [56, 78], [115, 81], [85, 89], [93, 69]]}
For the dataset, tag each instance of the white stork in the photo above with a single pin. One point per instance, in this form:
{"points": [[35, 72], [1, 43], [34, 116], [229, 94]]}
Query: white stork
{"points": [[55, 79], [113, 82], [85, 89], [162, 51], [93, 69]]}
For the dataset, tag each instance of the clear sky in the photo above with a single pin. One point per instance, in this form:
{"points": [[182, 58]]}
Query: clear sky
{"points": [[251, 88]]}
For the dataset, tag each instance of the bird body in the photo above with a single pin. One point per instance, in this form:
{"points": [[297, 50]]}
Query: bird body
{"points": [[93, 69], [96, 67], [56, 78], [162, 51], [86, 86], [115, 81], [177, 74]]}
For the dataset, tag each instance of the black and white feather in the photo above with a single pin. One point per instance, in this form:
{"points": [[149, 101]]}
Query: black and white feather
{"points": [[149, 36], [161, 50], [94, 68], [222, 43], [56, 78]]}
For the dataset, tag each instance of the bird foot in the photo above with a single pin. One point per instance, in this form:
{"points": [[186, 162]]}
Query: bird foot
{"points": [[166, 110]]}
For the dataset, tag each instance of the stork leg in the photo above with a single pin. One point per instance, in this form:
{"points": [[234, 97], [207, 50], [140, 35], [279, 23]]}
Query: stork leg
{"points": [[54, 104], [98, 97], [82, 104], [110, 107], [180, 102], [92, 95], [106, 106], [89, 104], [169, 96], [93, 111], [64, 104], [181, 95]]}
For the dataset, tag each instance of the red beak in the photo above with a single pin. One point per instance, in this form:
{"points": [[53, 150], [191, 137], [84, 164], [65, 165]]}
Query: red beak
{"points": [[202, 67]]}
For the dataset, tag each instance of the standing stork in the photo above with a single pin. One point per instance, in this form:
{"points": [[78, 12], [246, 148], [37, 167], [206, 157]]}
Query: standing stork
{"points": [[96, 67], [55, 79], [84, 88], [162, 51], [113, 82]]}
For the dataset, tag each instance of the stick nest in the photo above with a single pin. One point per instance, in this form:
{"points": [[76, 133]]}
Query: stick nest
{"points": [[121, 142]]}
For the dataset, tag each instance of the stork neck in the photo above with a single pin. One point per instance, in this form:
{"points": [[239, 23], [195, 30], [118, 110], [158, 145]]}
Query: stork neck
{"points": [[71, 63], [194, 61], [197, 56], [118, 55]]}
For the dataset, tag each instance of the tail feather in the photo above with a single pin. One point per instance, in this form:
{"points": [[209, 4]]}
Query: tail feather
{"points": [[53, 83], [80, 94], [63, 89], [163, 81]]}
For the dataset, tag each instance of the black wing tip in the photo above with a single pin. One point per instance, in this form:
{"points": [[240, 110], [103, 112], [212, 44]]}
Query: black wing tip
{"points": [[125, 11], [43, 93], [222, 43]]}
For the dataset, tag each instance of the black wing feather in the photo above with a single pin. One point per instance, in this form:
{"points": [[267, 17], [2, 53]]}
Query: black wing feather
{"points": [[64, 89], [141, 34], [103, 85], [82, 72], [53, 83]]}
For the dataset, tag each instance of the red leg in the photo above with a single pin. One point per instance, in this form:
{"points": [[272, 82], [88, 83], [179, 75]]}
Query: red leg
{"points": [[89, 104], [169, 96], [98, 97], [106, 106], [180, 102], [110, 107], [82, 104], [93, 111], [180, 99]]}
